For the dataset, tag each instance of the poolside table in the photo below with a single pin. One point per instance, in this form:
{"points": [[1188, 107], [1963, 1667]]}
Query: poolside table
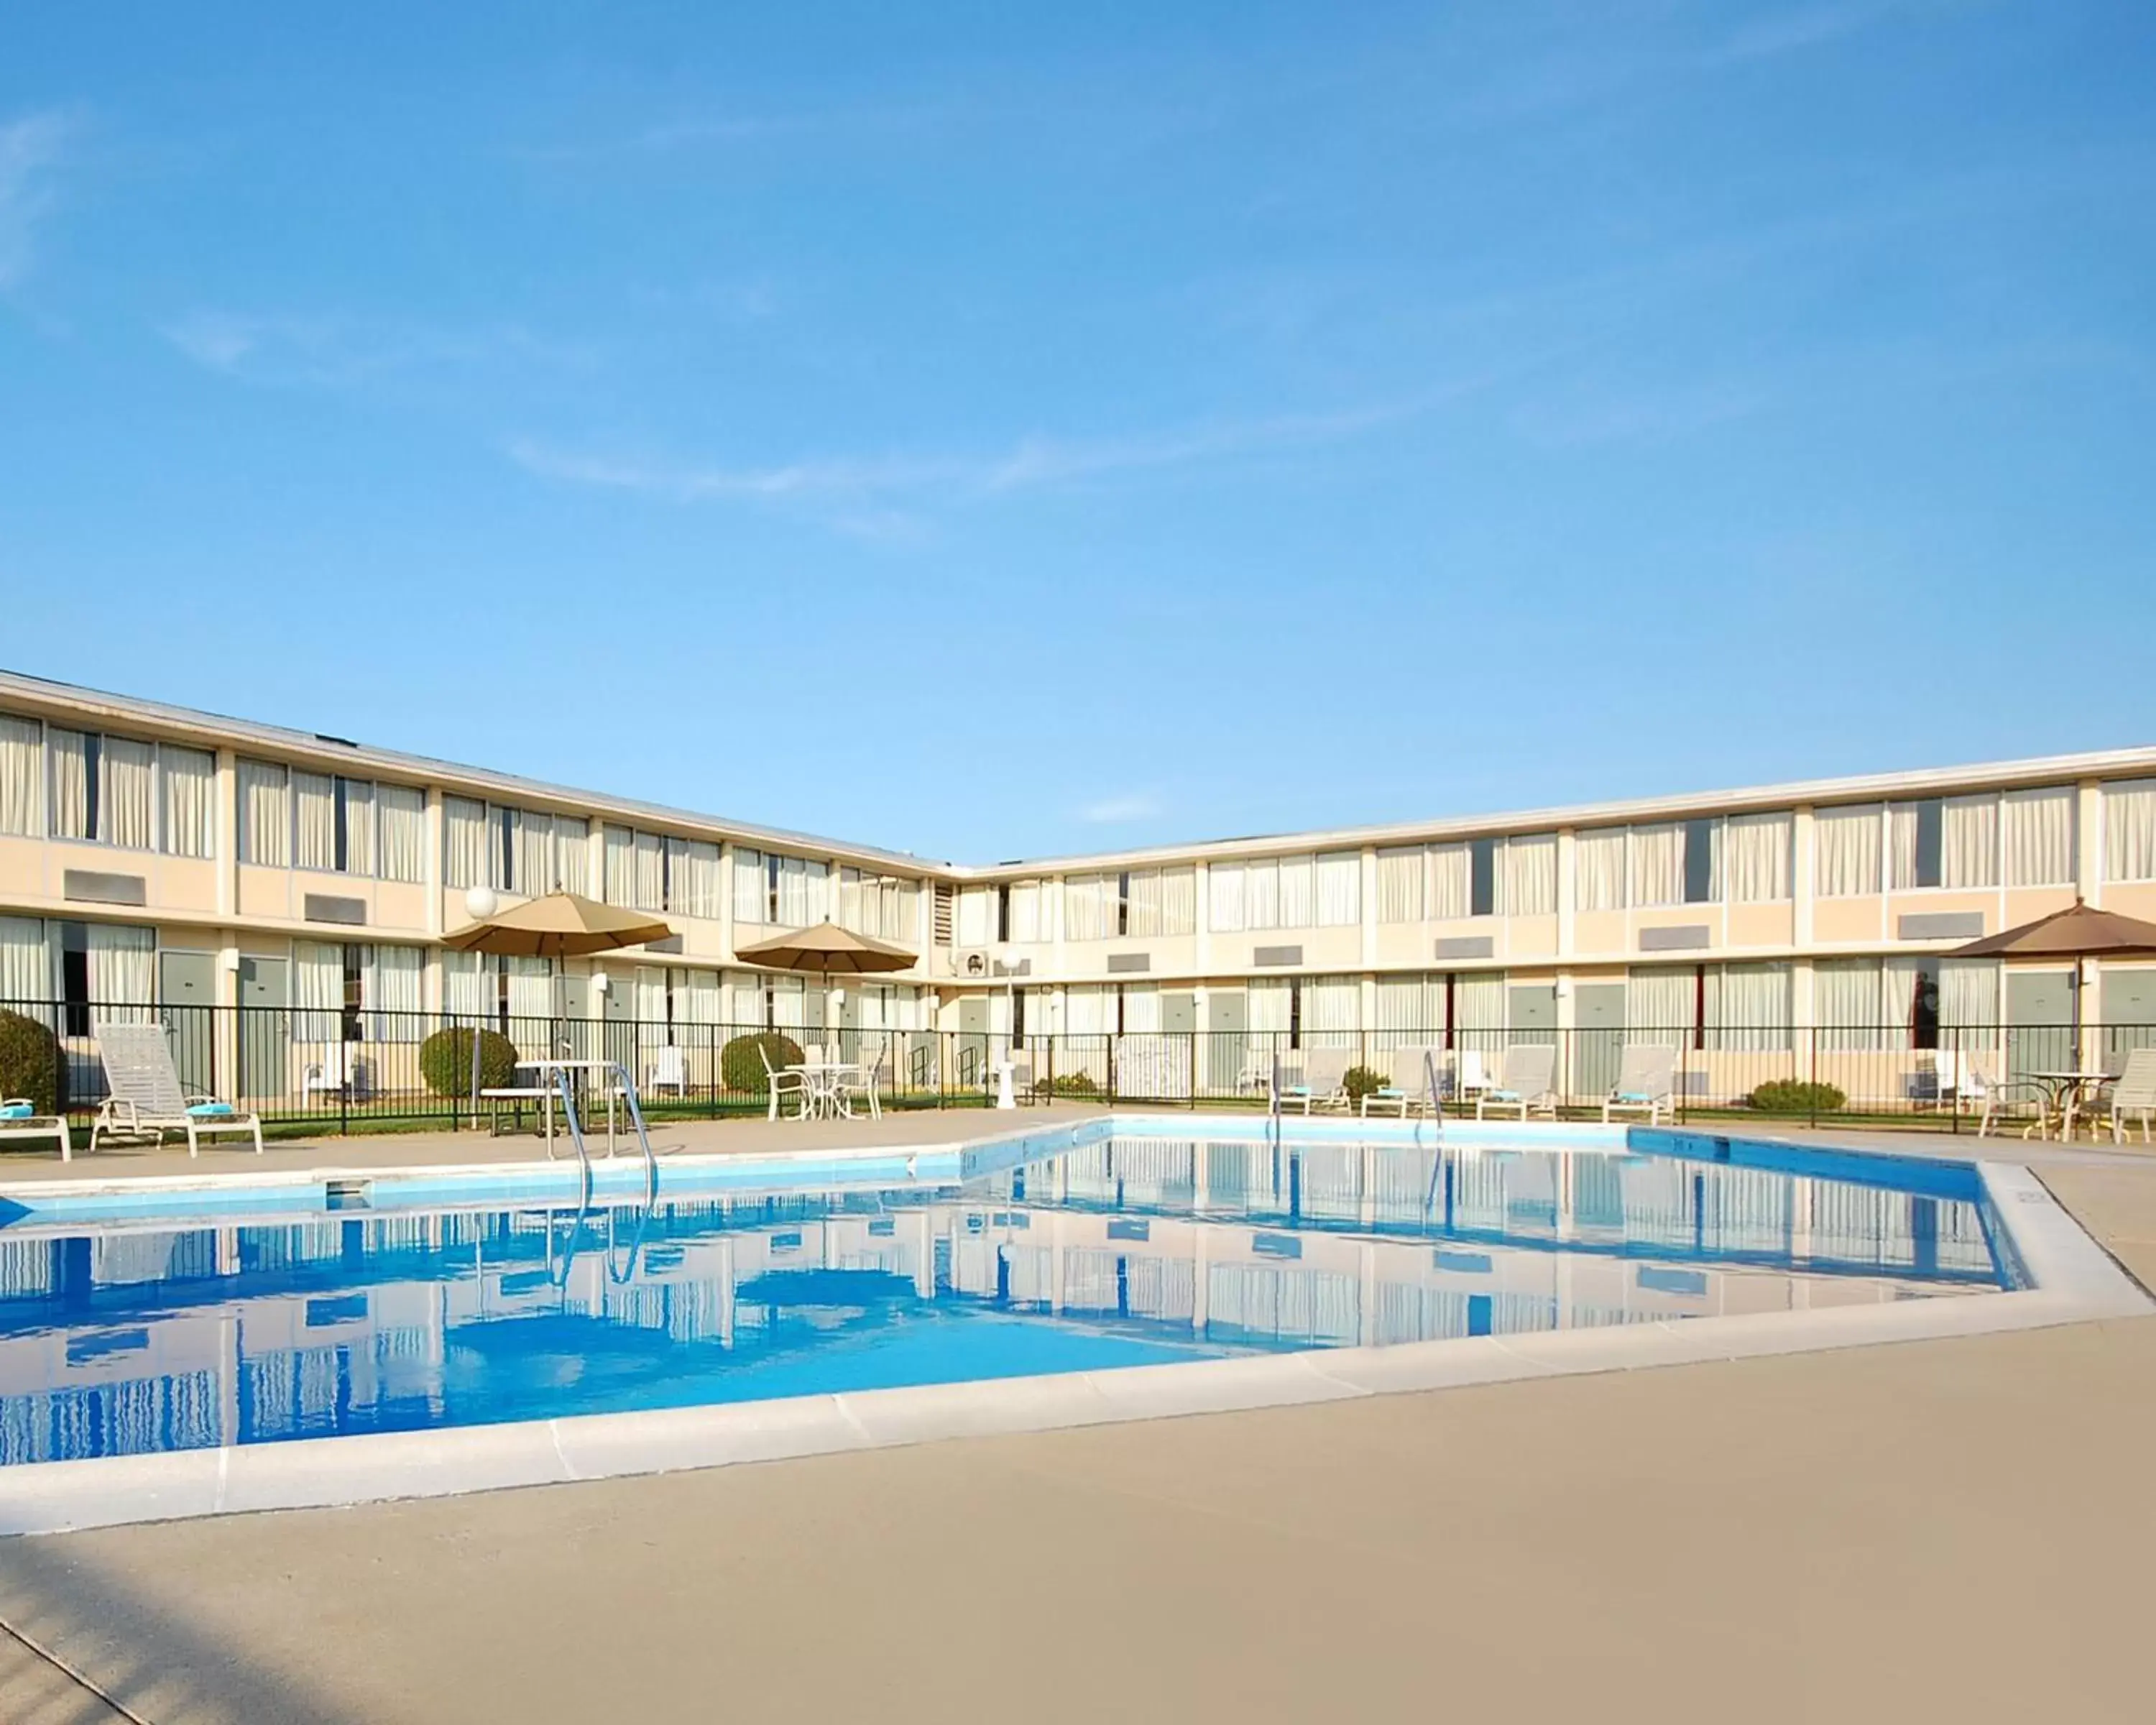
{"points": [[2063, 1087], [821, 1098]]}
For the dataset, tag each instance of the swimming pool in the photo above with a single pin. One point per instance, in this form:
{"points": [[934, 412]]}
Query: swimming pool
{"points": [[448, 1332], [147, 1337]]}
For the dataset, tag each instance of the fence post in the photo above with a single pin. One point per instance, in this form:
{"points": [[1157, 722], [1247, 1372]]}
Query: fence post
{"points": [[344, 1089], [1812, 1089]]}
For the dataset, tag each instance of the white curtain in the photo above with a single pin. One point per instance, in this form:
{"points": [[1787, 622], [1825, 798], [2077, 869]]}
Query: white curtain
{"points": [[1969, 850], [189, 783], [1143, 904], [1331, 1011], [533, 846], [803, 896], [395, 993], [1088, 909], [22, 777], [468, 985], [1025, 910], [1141, 1009], [620, 866], [789, 1003], [315, 797], [265, 824], [317, 992], [70, 759], [744, 1000], [1451, 883], [1409, 1009], [572, 855], [1400, 885], [531, 989], [122, 961], [648, 994], [464, 829], [1968, 993], [1661, 1003], [1657, 864], [751, 898], [1846, 1004], [404, 811], [2129, 830], [1755, 857], [1530, 883], [1225, 909], [1339, 879], [360, 848], [1269, 1004], [2039, 837], [692, 868], [1298, 896], [1261, 893], [1750, 1008], [697, 1000], [1845, 851], [1478, 1001], [1902, 821], [128, 793], [1178, 901], [26, 962], [651, 872], [1598, 864]]}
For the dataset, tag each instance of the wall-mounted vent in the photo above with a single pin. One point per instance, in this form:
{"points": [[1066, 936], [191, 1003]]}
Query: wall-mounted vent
{"points": [[1273, 957], [89, 888], [1016, 967], [1466, 946], [672, 943], [1686, 938], [1940, 926], [327, 907], [1125, 962], [940, 902]]}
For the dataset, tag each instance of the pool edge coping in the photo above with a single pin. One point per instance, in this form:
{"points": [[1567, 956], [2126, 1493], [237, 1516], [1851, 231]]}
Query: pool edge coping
{"points": [[2075, 1281]]}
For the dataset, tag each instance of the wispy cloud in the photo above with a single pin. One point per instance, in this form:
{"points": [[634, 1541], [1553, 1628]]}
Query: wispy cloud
{"points": [[31, 150], [345, 352], [1120, 811], [1031, 462]]}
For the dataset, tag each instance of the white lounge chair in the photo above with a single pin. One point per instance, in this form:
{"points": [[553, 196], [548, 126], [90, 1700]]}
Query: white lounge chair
{"points": [[1472, 1075], [2135, 1093], [336, 1073], [1979, 1083], [1530, 1068], [1646, 1082], [145, 1099], [1323, 1084], [1409, 1086], [792, 1081], [19, 1119]]}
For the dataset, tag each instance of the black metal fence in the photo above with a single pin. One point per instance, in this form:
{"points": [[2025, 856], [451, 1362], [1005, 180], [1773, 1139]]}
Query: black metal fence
{"points": [[327, 1070]]}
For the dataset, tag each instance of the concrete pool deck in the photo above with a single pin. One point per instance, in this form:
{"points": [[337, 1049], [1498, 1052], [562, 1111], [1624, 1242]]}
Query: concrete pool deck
{"points": [[1943, 1528]]}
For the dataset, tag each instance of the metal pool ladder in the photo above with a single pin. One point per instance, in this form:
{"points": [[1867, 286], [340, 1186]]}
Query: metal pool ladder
{"points": [[616, 1073]]}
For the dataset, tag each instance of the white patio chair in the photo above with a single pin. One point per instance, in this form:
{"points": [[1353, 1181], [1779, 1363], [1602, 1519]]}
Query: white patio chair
{"points": [[1324, 1073], [1408, 1086], [1528, 1083], [336, 1073], [783, 1081], [1646, 1082], [1472, 1074], [1979, 1082], [145, 1099], [862, 1081], [669, 1070], [2133, 1093]]}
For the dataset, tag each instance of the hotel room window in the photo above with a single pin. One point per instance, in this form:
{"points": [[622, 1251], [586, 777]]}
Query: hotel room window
{"points": [[1701, 848], [1482, 877]]}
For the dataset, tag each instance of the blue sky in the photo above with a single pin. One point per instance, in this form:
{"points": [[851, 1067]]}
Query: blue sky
{"points": [[1187, 421]]}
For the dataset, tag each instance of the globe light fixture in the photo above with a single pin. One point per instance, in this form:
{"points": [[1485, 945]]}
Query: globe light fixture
{"points": [[481, 903]]}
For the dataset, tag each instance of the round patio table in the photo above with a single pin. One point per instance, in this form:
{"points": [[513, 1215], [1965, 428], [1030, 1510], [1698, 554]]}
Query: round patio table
{"points": [[2060, 1087]]}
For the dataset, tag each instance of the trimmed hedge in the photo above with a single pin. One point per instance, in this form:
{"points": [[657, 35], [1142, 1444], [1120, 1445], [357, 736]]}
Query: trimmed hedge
{"points": [[740, 1070], [445, 1061], [1066, 1084], [1797, 1095], [30, 1064], [1360, 1081]]}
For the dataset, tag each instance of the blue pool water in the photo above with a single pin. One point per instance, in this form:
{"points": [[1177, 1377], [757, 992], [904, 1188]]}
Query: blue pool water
{"points": [[188, 1331]]}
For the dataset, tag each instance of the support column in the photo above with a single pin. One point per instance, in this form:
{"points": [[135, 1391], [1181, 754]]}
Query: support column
{"points": [[1568, 897]]}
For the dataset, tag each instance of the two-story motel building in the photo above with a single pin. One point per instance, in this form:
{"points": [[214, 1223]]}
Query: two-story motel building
{"points": [[153, 855]]}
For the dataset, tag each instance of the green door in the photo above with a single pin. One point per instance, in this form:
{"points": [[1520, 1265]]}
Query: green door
{"points": [[1227, 1040], [2128, 1001], [1598, 1041], [2040, 1016], [187, 1003], [265, 1028]]}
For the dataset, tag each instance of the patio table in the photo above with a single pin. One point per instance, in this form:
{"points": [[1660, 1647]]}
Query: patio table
{"points": [[2060, 1088], [821, 1096]]}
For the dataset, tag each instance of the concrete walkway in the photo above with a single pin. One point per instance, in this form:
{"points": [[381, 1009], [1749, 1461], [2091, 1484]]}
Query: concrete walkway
{"points": [[1953, 1529]]}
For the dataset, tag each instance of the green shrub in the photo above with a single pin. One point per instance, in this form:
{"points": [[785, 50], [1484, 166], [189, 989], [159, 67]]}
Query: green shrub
{"points": [[445, 1061], [30, 1064], [1360, 1081], [1797, 1095], [740, 1070], [1066, 1084]]}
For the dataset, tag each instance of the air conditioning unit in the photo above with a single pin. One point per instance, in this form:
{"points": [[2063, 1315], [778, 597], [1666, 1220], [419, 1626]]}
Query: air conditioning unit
{"points": [[972, 963]]}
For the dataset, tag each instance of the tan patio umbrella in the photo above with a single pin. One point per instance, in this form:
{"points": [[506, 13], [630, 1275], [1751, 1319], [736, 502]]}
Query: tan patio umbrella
{"points": [[2080, 931], [829, 951], [562, 925]]}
